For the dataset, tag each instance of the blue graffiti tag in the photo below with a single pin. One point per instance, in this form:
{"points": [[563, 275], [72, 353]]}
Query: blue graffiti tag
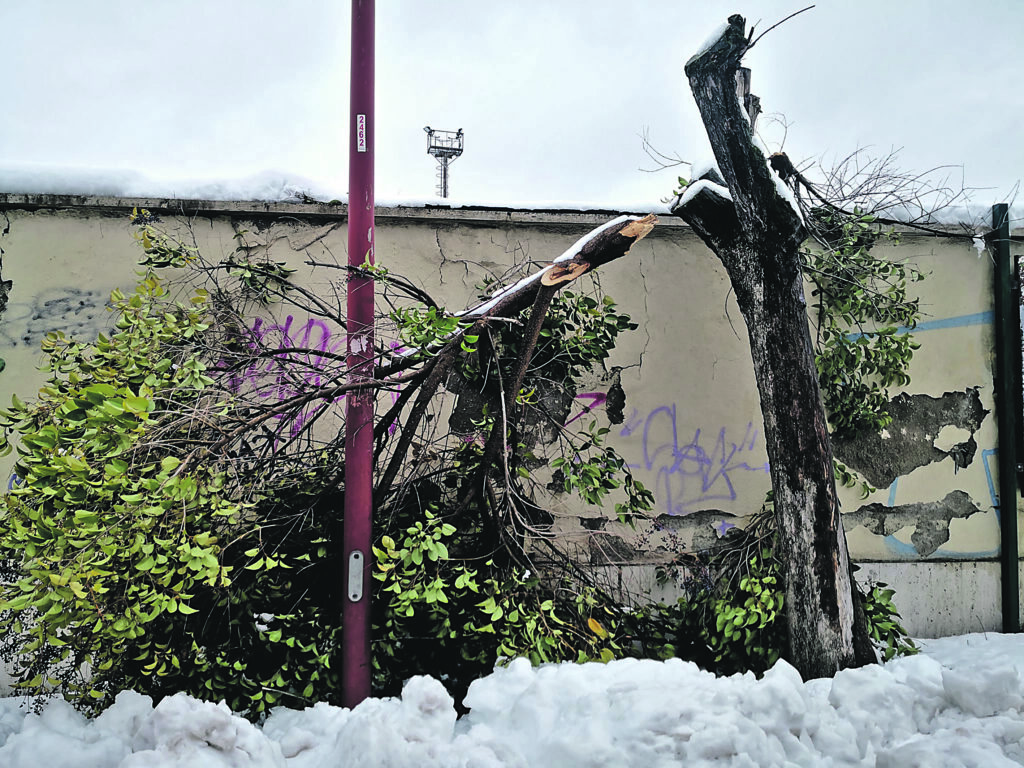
{"points": [[692, 474]]}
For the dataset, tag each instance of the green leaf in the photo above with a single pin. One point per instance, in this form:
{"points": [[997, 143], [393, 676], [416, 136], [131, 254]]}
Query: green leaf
{"points": [[139, 405], [169, 463]]}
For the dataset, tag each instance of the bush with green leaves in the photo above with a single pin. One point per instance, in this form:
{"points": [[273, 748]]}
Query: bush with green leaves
{"points": [[145, 557], [464, 617], [108, 541], [887, 633], [728, 618]]}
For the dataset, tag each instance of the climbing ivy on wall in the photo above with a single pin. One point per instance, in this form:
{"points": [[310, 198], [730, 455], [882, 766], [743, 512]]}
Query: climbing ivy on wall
{"points": [[864, 315]]}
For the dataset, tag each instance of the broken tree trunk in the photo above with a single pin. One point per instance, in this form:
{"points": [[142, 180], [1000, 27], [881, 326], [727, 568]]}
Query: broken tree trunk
{"points": [[753, 226]]}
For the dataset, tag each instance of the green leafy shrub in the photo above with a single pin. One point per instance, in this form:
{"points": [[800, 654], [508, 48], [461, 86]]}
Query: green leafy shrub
{"points": [[108, 541], [744, 630], [729, 619], [144, 557], [464, 617], [887, 633]]}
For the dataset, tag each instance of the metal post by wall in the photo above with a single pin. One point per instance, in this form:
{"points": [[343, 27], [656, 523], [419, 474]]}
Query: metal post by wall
{"points": [[1008, 342], [359, 404]]}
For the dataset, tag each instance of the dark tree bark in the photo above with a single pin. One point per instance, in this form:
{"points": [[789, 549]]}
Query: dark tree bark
{"points": [[757, 233]]}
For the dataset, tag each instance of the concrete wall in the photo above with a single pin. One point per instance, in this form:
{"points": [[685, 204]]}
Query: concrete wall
{"points": [[690, 424]]}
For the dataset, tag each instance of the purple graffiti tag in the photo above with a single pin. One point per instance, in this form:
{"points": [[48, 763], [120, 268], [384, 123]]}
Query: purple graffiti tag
{"points": [[307, 353], [631, 425], [695, 473], [595, 398]]}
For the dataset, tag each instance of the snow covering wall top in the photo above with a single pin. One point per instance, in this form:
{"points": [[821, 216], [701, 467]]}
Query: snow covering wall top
{"points": [[278, 187], [678, 394]]}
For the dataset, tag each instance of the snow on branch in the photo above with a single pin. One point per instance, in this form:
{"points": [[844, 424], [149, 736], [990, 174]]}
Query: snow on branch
{"points": [[695, 189], [598, 247]]}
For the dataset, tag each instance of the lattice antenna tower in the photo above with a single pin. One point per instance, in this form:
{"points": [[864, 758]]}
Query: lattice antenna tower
{"points": [[445, 146]]}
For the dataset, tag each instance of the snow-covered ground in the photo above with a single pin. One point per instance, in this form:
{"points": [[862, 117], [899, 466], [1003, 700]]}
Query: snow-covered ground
{"points": [[960, 703]]}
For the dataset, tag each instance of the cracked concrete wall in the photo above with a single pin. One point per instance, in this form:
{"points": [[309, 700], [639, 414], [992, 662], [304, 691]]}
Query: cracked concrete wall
{"points": [[935, 466], [679, 397]]}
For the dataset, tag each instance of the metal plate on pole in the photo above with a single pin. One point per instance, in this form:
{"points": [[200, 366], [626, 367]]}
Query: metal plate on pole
{"points": [[355, 576]]}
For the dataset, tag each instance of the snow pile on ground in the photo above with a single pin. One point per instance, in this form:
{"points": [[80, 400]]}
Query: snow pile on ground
{"points": [[960, 703]]}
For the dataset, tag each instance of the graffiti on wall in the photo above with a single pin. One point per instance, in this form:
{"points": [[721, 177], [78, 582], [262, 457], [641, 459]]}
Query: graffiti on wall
{"points": [[591, 400], [691, 472], [308, 358], [76, 312], [310, 355]]}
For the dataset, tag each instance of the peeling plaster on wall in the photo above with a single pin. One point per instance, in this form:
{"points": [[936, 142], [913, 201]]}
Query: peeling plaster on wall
{"points": [[554, 407], [930, 519], [541, 424], [5, 285], [910, 440], [700, 531], [615, 404], [469, 407]]}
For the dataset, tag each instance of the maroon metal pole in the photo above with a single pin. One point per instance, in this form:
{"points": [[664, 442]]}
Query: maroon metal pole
{"points": [[359, 405]]}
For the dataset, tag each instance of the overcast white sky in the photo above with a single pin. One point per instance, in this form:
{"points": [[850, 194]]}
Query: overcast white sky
{"points": [[552, 96]]}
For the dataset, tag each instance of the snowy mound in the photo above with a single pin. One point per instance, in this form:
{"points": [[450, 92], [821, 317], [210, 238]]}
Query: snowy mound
{"points": [[960, 703]]}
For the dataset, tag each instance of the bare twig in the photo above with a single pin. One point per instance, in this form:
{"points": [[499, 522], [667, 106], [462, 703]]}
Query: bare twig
{"points": [[752, 43]]}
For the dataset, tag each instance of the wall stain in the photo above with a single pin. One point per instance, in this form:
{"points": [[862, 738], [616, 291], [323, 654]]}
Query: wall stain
{"points": [[930, 518], [74, 311], [909, 441], [5, 285]]}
